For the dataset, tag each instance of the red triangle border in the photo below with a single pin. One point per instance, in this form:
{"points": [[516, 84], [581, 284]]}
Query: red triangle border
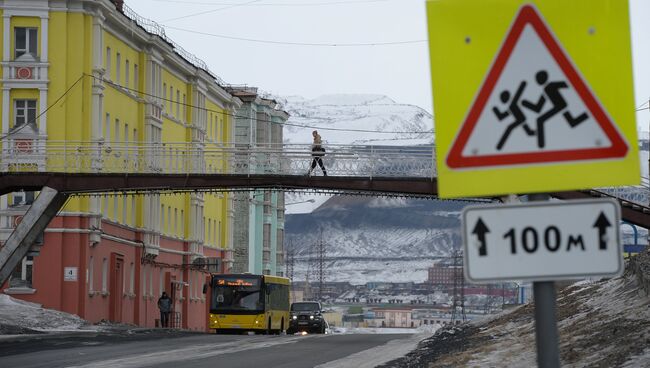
{"points": [[529, 15]]}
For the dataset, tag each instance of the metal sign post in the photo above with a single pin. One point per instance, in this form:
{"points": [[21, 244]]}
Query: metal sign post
{"points": [[546, 334]]}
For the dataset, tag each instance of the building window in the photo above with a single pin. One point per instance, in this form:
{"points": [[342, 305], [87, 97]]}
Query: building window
{"points": [[162, 218], [108, 62], [135, 77], [143, 286], [91, 275], [182, 224], [173, 227], [107, 135], [132, 279], [171, 100], [104, 275], [104, 207], [161, 286], [178, 104], [25, 112], [151, 281], [184, 107], [124, 209], [266, 236], [117, 130], [169, 219], [26, 42], [126, 73], [165, 96], [133, 212], [115, 208], [118, 62], [190, 285], [22, 275]]}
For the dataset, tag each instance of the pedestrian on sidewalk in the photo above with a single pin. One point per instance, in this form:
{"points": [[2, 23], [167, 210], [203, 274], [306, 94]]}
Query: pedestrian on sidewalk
{"points": [[165, 306], [317, 152]]}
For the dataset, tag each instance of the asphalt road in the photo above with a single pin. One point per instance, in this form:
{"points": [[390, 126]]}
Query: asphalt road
{"points": [[182, 350]]}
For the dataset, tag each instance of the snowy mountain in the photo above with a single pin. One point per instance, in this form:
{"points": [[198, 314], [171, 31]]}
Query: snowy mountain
{"points": [[359, 112], [374, 239]]}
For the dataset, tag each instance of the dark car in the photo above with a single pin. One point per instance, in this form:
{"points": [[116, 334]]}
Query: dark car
{"points": [[307, 316]]}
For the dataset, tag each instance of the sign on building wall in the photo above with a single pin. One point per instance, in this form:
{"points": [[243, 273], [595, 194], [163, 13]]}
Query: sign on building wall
{"points": [[70, 273]]}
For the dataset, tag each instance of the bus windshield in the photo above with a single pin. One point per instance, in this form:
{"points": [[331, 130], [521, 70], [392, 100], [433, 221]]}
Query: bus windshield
{"points": [[236, 295]]}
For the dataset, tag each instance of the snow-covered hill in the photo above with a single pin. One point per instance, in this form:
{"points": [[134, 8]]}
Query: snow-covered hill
{"points": [[374, 239], [359, 112]]}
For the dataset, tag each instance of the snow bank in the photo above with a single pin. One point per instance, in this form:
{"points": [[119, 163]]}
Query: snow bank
{"points": [[18, 316]]}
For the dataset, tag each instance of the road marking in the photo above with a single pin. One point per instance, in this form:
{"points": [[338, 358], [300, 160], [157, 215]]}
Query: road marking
{"points": [[188, 353]]}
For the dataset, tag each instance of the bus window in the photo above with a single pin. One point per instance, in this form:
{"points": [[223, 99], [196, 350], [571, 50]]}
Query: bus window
{"points": [[237, 295]]}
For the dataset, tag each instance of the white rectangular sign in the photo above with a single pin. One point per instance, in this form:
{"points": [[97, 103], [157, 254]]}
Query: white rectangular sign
{"points": [[70, 273], [542, 241]]}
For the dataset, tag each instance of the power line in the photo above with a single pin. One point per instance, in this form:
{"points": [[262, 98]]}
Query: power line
{"points": [[211, 11], [115, 85], [278, 4], [273, 42], [44, 111]]}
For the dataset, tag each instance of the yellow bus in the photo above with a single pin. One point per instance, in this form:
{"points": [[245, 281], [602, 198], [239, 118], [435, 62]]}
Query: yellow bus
{"points": [[245, 302]]}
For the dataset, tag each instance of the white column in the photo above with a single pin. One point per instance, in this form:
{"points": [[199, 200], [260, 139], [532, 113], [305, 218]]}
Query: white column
{"points": [[98, 41], [5, 110], [42, 106], [6, 38], [44, 38]]}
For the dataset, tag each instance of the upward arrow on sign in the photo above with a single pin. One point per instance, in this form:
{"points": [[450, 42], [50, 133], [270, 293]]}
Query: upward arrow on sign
{"points": [[602, 224], [480, 230]]}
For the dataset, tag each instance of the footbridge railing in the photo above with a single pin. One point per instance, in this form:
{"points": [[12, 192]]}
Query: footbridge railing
{"points": [[209, 158]]}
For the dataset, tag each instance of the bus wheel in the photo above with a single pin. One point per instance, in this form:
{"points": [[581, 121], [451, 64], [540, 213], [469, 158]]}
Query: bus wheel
{"points": [[281, 327], [268, 327]]}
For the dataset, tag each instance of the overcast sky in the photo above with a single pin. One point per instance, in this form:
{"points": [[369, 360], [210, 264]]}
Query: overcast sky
{"points": [[286, 66]]}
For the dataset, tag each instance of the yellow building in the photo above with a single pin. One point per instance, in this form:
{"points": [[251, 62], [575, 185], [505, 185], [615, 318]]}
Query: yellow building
{"points": [[95, 78]]}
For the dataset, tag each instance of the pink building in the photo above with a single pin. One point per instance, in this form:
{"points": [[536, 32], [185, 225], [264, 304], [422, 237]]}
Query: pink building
{"points": [[110, 279]]}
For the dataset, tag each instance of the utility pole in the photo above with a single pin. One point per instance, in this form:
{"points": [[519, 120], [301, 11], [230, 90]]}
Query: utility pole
{"points": [[289, 262], [458, 299], [320, 258], [289, 268]]}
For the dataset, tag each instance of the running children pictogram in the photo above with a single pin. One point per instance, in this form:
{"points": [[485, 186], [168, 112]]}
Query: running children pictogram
{"points": [[534, 107]]}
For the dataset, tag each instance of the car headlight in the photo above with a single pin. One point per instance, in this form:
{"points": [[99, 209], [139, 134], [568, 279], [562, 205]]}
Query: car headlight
{"points": [[311, 317], [294, 317]]}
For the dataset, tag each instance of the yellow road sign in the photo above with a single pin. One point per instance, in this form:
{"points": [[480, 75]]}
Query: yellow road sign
{"points": [[532, 96]]}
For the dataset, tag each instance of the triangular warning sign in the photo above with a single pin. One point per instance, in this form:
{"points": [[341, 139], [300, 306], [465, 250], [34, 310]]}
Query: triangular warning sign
{"points": [[534, 107]]}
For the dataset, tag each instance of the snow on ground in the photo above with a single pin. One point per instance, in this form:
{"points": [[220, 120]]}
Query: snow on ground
{"points": [[17, 317]]}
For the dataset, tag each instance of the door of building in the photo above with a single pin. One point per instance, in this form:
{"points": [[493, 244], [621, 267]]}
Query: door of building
{"points": [[116, 288]]}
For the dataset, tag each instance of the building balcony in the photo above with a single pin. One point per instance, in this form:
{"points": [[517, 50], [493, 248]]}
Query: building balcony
{"points": [[24, 150], [151, 243], [25, 71]]}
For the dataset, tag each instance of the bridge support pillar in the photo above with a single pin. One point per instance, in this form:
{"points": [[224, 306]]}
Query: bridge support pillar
{"points": [[38, 216]]}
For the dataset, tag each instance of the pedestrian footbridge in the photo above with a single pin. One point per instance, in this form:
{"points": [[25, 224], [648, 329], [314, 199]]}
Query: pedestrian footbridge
{"points": [[73, 167], [61, 169]]}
